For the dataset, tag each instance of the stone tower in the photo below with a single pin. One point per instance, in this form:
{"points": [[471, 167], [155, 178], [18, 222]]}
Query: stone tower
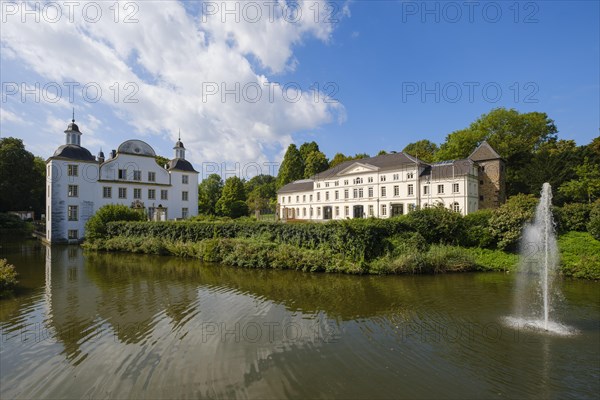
{"points": [[492, 176]]}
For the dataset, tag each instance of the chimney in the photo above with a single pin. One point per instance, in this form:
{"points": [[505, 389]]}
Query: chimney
{"points": [[113, 154]]}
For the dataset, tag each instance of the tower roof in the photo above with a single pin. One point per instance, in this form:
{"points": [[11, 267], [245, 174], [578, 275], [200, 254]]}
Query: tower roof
{"points": [[484, 152]]}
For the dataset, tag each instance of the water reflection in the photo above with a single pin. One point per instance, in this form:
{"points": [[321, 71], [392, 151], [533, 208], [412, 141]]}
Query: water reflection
{"points": [[120, 325]]}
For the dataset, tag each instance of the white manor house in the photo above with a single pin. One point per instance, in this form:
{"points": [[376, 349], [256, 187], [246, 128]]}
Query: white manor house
{"points": [[393, 184], [78, 184]]}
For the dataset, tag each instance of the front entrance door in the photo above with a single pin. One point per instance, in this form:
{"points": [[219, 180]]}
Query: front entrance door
{"points": [[358, 211], [397, 209], [327, 212]]}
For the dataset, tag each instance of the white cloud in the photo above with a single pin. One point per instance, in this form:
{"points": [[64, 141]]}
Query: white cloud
{"points": [[9, 116], [169, 58]]}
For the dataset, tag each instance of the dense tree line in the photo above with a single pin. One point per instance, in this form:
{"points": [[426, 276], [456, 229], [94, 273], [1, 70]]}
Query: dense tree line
{"points": [[529, 143]]}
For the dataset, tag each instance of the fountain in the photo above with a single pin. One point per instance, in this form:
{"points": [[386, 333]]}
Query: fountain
{"points": [[536, 290]]}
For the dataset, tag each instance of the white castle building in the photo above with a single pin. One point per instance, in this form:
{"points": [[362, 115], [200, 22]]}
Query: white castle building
{"points": [[78, 184], [394, 184]]}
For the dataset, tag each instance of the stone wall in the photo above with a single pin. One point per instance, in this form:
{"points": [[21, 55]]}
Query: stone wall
{"points": [[492, 183]]}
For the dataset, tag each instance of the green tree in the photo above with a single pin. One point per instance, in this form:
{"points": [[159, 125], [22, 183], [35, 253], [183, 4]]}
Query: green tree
{"points": [[513, 135], [307, 148], [162, 161], [382, 153], [261, 191], [338, 159], [587, 185], [233, 199], [209, 192], [315, 162], [423, 149], [291, 167], [95, 227], [22, 177]]}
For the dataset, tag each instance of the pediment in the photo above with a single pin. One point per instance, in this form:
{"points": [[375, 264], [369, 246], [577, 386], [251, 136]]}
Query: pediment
{"points": [[358, 168]]}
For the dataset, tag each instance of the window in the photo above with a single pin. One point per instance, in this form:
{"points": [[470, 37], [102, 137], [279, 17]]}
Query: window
{"points": [[370, 179], [440, 189], [326, 196], [425, 189], [73, 191], [107, 192], [185, 179], [346, 193], [370, 192], [318, 211], [383, 209], [326, 184], [73, 170], [304, 211], [289, 199], [355, 193], [151, 176], [122, 193], [481, 182], [73, 213], [360, 193], [370, 210], [164, 195], [347, 211], [337, 195], [311, 211], [73, 234], [346, 182], [455, 207], [382, 179], [410, 175], [283, 199], [358, 181], [383, 191], [425, 205], [184, 212], [137, 175], [481, 197], [412, 207], [396, 177], [455, 188], [337, 211], [151, 194], [298, 199], [184, 196], [122, 174], [137, 193], [337, 183], [396, 190], [318, 185], [310, 199], [318, 196], [411, 190]]}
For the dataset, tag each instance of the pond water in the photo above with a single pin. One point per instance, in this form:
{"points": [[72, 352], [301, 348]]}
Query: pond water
{"points": [[123, 325]]}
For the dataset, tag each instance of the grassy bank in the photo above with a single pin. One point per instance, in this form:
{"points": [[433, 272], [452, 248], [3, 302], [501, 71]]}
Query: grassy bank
{"points": [[405, 254]]}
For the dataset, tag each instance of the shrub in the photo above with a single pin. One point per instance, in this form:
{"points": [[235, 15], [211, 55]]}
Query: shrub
{"points": [[406, 243], [579, 255], [507, 221], [593, 226], [96, 226], [476, 229], [572, 217], [437, 224], [8, 277]]}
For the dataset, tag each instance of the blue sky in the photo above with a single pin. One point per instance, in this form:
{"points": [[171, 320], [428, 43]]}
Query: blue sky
{"points": [[375, 61]]}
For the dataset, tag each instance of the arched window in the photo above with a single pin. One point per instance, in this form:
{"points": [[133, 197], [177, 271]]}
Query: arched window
{"points": [[425, 205], [456, 206]]}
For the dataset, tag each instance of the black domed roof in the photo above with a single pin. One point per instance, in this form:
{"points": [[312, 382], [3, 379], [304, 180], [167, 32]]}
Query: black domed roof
{"points": [[72, 127], [181, 165], [74, 152], [136, 147], [179, 145]]}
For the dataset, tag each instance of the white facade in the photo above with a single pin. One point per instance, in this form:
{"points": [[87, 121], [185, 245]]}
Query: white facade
{"points": [[381, 187], [78, 184]]}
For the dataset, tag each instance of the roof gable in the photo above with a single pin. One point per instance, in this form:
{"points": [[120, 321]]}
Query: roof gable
{"points": [[484, 152], [357, 168]]}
